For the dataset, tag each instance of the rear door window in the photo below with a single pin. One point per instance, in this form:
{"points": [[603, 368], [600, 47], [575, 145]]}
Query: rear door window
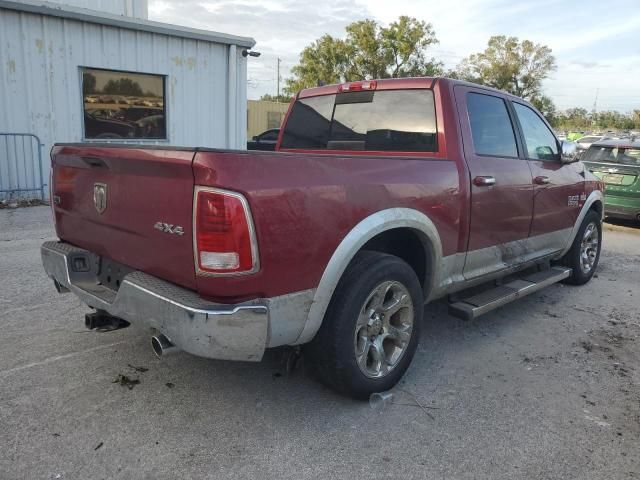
{"points": [[541, 144], [491, 126], [385, 120]]}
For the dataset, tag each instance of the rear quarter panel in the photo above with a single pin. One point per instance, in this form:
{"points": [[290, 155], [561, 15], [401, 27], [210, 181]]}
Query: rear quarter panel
{"points": [[304, 204]]}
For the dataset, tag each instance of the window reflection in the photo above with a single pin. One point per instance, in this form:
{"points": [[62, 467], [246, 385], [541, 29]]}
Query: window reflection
{"points": [[490, 126], [123, 105]]}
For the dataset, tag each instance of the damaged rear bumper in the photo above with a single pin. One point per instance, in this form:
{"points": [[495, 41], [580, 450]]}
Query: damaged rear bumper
{"points": [[228, 332]]}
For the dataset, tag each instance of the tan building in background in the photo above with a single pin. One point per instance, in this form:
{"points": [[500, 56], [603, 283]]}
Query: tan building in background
{"points": [[263, 115]]}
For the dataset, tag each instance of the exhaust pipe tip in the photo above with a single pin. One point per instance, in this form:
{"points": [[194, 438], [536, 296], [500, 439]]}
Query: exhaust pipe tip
{"points": [[162, 346]]}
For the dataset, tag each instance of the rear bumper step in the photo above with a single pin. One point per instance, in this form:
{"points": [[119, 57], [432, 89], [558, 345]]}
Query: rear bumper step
{"points": [[474, 306], [227, 332]]}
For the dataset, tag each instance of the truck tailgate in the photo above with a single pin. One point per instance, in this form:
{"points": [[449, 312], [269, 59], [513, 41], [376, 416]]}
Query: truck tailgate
{"points": [[114, 200]]}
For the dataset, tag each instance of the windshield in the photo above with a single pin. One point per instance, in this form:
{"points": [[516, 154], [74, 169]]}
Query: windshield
{"points": [[387, 120], [625, 156]]}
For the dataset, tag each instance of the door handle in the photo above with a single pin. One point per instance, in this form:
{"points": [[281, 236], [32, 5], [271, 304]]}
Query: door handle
{"points": [[541, 180], [484, 181]]}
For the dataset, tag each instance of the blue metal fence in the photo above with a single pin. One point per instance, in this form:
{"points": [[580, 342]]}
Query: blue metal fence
{"points": [[21, 169]]}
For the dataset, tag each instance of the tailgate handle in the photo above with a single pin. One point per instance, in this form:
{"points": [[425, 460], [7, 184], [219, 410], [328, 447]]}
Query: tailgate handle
{"points": [[94, 162]]}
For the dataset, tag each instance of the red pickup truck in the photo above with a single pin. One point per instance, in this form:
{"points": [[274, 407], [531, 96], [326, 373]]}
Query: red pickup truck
{"points": [[382, 196]]}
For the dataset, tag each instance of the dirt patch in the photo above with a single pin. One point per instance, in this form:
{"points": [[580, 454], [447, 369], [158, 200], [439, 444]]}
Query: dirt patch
{"points": [[35, 202], [125, 381]]}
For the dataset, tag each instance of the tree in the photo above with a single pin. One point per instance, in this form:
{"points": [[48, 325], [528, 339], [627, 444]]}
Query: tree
{"points": [[574, 119], [545, 106], [510, 65], [275, 98], [368, 51], [123, 86], [88, 83], [614, 120]]}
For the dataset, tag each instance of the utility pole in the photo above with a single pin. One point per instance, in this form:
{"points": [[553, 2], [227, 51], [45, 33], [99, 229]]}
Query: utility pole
{"points": [[278, 97], [594, 113]]}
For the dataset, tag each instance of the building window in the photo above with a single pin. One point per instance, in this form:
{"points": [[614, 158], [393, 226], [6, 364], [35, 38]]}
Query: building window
{"points": [[274, 119], [123, 105]]}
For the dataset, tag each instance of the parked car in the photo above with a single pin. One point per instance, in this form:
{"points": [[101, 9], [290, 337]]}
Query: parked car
{"points": [[585, 142], [104, 128], [383, 196], [133, 114], [105, 112], [267, 140], [573, 136], [617, 163], [152, 126]]}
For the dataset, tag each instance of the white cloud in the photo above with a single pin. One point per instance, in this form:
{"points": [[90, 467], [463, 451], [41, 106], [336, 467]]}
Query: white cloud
{"points": [[593, 51]]}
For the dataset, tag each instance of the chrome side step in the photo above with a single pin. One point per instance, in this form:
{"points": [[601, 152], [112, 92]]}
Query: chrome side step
{"points": [[476, 305]]}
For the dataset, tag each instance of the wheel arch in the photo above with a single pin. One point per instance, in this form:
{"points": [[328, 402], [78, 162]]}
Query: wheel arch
{"points": [[598, 207], [383, 224], [595, 201]]}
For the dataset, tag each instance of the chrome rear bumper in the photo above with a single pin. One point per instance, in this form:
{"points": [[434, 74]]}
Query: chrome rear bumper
{"points": [[227, 332]]}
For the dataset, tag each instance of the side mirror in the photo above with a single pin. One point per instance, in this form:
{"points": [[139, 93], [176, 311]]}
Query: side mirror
{"points": [[569, 152], [255, 138]]}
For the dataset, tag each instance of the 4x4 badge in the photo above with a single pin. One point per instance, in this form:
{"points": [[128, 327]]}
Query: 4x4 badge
{"points": [[100, 196], [168, 228]]}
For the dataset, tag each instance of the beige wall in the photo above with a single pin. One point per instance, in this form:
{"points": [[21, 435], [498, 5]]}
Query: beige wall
{"points": [[262, 116]]}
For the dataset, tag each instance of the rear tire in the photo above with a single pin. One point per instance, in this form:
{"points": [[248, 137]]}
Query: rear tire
{"points": [[371, 329], [584, 254]]}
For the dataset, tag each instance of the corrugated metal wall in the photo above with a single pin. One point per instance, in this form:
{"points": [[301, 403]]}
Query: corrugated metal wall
{"points": [[40, 81], [263, 115], [129, 8]]}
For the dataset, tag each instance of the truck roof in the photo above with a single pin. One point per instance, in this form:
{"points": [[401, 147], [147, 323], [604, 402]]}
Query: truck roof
{"points": [[617, 143], [396, 84]]}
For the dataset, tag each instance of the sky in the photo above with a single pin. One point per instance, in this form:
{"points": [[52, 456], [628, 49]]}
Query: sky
{"points": [[595, 43]]}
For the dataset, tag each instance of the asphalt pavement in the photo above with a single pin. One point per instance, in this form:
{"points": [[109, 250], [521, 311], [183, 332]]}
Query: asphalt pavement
{"points": [[544, 388]]}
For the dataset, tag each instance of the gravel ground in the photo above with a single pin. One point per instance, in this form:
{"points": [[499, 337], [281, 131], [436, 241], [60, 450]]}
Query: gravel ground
{"points": [[545, 388]]}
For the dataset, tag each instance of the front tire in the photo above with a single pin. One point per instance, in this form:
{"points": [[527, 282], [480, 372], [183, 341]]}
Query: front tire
{"points": [[584, 254], [371, 329]]}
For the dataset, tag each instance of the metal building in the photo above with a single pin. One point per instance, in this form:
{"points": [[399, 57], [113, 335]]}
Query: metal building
{"points": [[71, 74]]}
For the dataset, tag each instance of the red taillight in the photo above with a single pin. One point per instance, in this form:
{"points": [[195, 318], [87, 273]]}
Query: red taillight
{"points": [[358, 86], [223, 233]]}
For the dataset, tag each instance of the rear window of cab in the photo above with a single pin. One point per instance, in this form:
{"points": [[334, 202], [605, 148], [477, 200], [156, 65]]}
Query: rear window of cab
{"points": [[625, 156], [382, 120]]}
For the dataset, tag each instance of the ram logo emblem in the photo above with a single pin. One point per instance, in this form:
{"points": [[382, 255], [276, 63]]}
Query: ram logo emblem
{"points": [[168, 228], [100, 196]]}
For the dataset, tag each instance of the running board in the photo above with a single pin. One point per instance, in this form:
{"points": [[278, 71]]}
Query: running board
{"points": [[476, 305]]}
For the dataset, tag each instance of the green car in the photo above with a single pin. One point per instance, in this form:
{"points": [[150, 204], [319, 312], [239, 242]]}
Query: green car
{"points": [[617, 163], [573, 136]]}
